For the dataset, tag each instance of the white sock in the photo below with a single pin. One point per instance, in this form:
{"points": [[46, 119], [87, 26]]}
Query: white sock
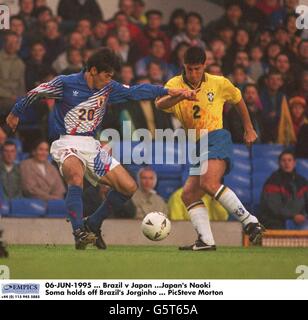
{"points": [[200, 220], [229, 200]]}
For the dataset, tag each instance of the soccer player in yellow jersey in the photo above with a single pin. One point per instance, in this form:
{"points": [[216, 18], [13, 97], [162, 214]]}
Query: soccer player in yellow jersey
{"points": [[207, 113]]}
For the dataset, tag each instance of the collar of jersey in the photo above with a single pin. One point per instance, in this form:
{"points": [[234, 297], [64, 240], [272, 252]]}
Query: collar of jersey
{"points": [[204, 78]]}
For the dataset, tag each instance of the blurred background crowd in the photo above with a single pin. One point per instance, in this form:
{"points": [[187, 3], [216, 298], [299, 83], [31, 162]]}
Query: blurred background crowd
{"points": [[255, 43]]}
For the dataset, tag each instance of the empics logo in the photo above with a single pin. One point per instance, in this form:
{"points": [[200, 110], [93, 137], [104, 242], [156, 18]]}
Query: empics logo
{"points": [[4, 17], [4, 273], [18, 288]]}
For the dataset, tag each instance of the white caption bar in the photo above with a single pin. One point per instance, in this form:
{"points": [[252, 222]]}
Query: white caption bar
{"points": [[154, 289]]}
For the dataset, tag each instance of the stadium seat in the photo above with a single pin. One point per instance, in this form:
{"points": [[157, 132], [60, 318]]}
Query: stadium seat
{"points": [[302, 167], [22, 156], [235, 180], [28, 208], [244, 195], [242, 166], [240, 151], [291, 225], [4, 205], [259, 179], [265, 166], [56, 209], [185, 173], [166, 187], [168, 171], [262, 151], [256, 195], [4, 208], [133, 169]]}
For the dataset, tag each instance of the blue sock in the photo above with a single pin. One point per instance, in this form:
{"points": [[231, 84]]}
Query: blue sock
{"points": [[74, 206], [114, 200]]}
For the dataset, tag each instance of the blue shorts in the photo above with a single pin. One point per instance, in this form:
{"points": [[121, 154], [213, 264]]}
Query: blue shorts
{"points": [[219, 147]]}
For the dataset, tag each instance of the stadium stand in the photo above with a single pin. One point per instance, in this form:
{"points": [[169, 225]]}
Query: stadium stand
{"points": [[251, 167], [56, 209], [26, 208]]}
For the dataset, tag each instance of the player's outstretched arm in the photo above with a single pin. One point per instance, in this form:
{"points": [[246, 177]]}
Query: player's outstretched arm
{"points": [[121, 93], [175, 96], [250, 135], [52, 89]]}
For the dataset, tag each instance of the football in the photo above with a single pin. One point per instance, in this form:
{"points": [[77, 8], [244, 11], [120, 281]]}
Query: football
{"points": [[156, 226]]}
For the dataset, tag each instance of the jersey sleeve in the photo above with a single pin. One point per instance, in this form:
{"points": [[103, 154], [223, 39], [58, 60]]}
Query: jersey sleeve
{"points": [[171, 84], [231, 93], [52, 89], [121, 93]]}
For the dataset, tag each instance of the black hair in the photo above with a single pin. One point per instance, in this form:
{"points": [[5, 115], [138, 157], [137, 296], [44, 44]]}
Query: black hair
{"points": [[9, 143], [238, 67], [287, 151], [10, 33], [195, 55], [282, 53], [16, 17], [177, 13], [153, 12], [273, 72], [45, 73], [232, 3], [37, 143], [301, 43], [140, 2], [241, 51], [37, 42], [104, 60], [250, 85], [194, 15], [119, 13], [155, 62], [41, 10], [174, 53], [156, 40]]}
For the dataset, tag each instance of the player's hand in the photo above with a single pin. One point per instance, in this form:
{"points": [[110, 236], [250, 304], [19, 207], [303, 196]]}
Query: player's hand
{"points": [[190, 95], [250, 137], [12, 121], [299, 218], [185, 94]]}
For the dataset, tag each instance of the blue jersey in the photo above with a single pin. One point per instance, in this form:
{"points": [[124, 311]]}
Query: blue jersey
{"points": [[79, 110]]}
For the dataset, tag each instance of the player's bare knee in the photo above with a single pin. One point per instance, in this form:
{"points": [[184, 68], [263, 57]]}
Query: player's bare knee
{"points": [[131, 188], [209, 187], [75, 180]]}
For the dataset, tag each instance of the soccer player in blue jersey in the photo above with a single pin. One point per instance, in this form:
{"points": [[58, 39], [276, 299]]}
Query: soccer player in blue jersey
{"points": [[81, 104]]}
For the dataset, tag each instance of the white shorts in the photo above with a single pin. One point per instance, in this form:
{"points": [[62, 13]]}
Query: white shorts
{"points": [[96, 160]]}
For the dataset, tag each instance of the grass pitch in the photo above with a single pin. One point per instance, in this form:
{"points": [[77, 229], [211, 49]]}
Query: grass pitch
{"points": [[152, 262]]}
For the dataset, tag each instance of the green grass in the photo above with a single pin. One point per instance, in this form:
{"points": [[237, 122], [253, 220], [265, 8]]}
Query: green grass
{"points": [[153, 262]]}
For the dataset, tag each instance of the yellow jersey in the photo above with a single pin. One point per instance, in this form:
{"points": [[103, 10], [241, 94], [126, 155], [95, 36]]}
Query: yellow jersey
{"points": [[207, 112]]}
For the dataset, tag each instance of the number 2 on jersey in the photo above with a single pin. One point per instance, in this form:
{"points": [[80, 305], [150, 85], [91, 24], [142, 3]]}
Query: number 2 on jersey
{"points": [[197, 110]]}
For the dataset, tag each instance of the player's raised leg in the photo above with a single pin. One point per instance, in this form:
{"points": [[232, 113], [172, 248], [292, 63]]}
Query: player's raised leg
{"points": [[192, 195], [123, 188], [73, 172], [210, 183]]}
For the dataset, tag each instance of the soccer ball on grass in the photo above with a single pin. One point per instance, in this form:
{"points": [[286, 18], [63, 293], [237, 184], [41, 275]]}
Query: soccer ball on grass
{"points": [[156, 226]]}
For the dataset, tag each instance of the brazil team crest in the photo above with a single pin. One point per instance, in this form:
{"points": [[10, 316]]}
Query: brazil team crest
{"points": [[210, 96]]}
